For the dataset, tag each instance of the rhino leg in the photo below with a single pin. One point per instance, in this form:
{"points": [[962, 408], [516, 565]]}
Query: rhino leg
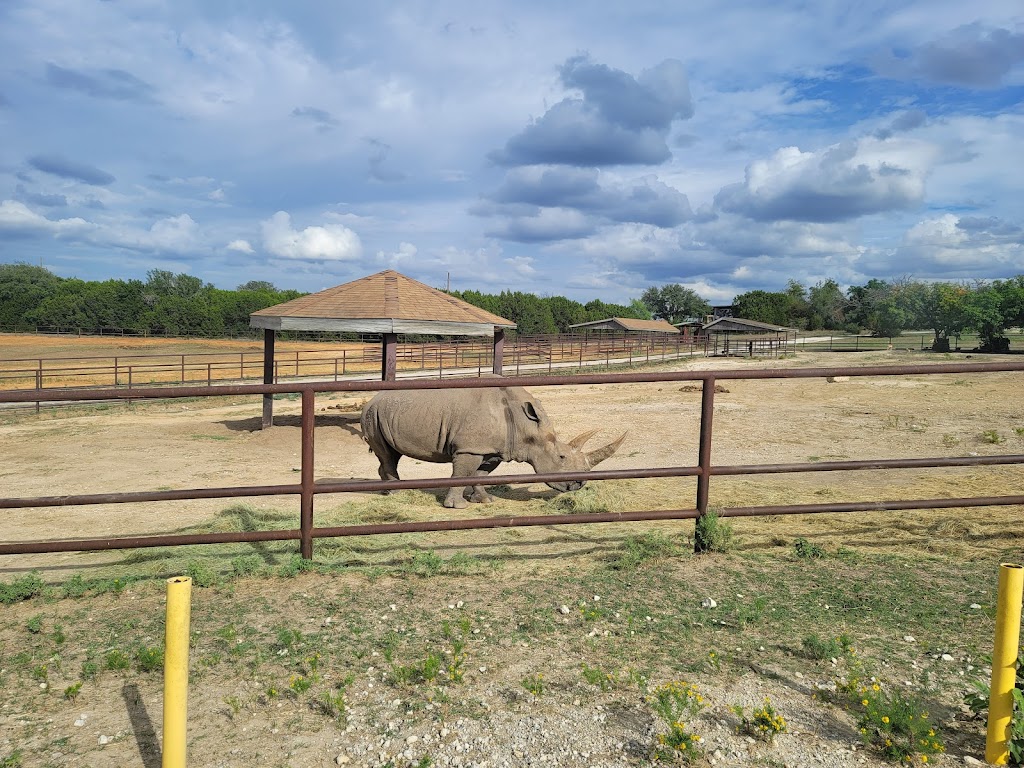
{"points": [[480, 494], [388, 458], [463, 465]]}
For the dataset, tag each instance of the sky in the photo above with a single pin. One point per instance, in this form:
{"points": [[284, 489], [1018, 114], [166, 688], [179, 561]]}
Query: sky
{"points": [[588, 150]]}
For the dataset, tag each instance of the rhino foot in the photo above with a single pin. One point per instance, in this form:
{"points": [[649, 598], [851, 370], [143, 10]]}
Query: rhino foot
{"points": [[455, 501], [479, 497]]}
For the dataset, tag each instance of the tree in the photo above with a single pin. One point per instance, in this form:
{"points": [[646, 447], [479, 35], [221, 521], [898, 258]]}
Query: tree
{"points": [[762, 306], [826, 306], [566, 312], [674, 303], [258, 285]]}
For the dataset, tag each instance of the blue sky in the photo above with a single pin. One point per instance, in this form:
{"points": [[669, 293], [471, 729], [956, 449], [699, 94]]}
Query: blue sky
{"points": [[588, 150]]}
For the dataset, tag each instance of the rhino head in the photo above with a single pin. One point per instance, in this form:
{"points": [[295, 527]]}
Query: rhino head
{"points": [[554, 455]]}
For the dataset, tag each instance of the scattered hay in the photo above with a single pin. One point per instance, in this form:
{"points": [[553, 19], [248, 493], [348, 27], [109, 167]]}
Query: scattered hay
{"points": [[719, 389], [593, 497]]}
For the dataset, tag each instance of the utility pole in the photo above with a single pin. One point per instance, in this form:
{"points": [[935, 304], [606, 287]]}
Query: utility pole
{"points": [[447, 283]]}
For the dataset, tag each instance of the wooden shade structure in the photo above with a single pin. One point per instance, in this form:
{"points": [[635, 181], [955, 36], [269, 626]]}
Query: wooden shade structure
{"points": [[388, 303]]}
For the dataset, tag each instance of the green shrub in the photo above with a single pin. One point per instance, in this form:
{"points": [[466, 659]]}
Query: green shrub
{"points": [[816, 648], [22, 588], [806, 550], [712, 534]]}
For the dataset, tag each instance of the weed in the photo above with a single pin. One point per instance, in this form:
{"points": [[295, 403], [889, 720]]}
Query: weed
{"points": [[764, 722], [201, 573], [89, 670], [22, 588], [1018, 431], [13, 760], [40, 672], [235, 703], [675, 703], [35, 624], [816, 648], [534, 684], [58, 635], [896, 724], [72, 691], [246, 565], [149, 659], [300, 684], [992, 436], [712, 534], [949, 440], [427, 564], [334, 703], [807, 550], [116, 660], [638, 550], [598, 677], [74, 587], [296, 565]]}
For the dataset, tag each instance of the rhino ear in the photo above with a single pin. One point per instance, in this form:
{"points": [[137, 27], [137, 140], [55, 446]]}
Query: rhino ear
{"points": [[531, 412]]}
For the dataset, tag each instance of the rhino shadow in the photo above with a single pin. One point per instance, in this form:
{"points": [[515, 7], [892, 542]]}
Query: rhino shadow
{"points": [[349, 423]]}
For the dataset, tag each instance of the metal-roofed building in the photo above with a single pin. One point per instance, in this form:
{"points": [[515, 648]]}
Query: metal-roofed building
{"points": [[626, 325], [738, 336]]}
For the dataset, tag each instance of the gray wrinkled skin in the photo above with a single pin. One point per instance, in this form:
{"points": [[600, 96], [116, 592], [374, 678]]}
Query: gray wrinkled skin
{"points": [[471, 428]]}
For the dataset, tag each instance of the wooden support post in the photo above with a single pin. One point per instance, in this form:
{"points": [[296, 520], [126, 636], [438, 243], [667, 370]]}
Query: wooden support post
{"points": [[268, 376], [389, 357], [499, 350]]}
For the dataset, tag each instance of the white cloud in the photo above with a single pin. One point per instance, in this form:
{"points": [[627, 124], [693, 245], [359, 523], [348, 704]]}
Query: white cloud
{"points": [[242, 246], [18, 217], [332, 242], [842, 181]]}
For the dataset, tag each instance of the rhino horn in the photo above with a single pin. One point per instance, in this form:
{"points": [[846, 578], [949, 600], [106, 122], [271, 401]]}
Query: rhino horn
{"points": [[578, 441], [596, 457]]}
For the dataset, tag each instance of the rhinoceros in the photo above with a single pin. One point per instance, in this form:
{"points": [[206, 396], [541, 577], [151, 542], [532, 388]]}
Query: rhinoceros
{"points": [[474, 430]]}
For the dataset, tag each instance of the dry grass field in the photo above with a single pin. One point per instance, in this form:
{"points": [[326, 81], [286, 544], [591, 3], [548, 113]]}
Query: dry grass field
{"points": [[635, 592]]}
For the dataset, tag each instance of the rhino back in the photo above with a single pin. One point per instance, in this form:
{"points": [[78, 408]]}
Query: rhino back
{"points": [[434, 425]]}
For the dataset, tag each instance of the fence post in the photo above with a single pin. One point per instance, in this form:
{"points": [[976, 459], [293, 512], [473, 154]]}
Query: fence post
{"points": [[1004, 663], [176, 637], [707, 410], [39, 382], [306, 513]]}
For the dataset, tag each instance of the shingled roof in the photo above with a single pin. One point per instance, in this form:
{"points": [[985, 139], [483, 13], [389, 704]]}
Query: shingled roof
{"points": [[387, 302], [628, 324]]}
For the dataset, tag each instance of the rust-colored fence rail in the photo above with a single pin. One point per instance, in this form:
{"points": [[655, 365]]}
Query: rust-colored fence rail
{"points": [[306, 489]]}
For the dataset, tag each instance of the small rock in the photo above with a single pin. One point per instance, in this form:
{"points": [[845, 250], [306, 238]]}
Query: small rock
{"points": [[412, 739], [459, 604], [968, 760], [975, 607], [947, 657], [707, 602], [80, 722], [103, 740], [342, 760], [564, 610], [909, 639]]}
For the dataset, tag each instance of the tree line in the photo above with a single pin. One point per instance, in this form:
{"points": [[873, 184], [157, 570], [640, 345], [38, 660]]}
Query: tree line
{"points": [[887, 308], [164, 304], [182, 305]]}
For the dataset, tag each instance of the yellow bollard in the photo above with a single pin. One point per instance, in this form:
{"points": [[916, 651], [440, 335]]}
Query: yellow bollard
{"points": [[1004, 662], [179, 609]]}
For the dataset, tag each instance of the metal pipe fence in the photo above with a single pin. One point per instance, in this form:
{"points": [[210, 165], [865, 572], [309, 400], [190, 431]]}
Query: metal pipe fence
{"points": [[307, 489]]}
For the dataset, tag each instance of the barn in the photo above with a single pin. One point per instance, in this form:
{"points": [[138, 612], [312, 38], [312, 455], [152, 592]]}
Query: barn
{"points": [[738, 336]]}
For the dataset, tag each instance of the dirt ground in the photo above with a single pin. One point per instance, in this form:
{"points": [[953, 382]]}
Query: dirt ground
{"points": [[195, 444]]}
